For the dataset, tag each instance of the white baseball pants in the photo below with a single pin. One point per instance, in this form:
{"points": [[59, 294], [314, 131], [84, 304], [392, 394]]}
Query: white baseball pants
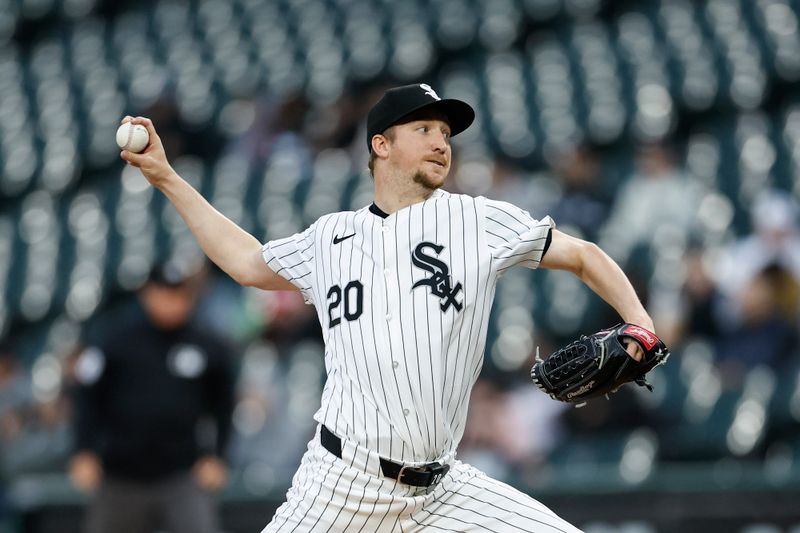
{"points": [[329, 494]]}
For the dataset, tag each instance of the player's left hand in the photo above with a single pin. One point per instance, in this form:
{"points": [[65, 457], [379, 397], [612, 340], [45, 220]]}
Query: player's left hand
{"points": [[634, 350], [599, 364], [210, 473]]}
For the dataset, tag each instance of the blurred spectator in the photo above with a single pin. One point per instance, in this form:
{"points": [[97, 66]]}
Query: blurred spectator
{"points": [[279, 388], [700, 299], [762, 334], [276, 128], [623, 412], [775, 240], [31, 432], [282, 317], [333, 124], [178, 136], [14, 394], [485, 420], [658, 195], [583, 203], [34, 430], [5, 515], [510, 432], [42, 441], [144, 395]]}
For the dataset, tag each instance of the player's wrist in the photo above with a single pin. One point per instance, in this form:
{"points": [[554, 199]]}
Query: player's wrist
{"points": [[162, 178], [642, 321]]}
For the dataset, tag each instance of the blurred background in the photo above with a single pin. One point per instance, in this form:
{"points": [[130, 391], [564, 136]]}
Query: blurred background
{"points": [[668, 131]]}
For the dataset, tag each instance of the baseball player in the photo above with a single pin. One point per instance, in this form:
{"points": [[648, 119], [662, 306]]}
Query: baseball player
{"points": [[403, 289]]}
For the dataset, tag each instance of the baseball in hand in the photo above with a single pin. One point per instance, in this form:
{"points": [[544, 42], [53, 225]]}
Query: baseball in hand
{"points": [[132, 137]]}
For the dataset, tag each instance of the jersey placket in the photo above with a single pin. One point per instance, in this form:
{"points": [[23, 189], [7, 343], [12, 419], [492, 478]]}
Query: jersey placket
{"points": [[390, 309], [403, 414], [391, 304]]}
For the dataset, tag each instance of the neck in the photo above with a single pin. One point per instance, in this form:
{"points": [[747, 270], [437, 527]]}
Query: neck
{"points": [[393, 193]]}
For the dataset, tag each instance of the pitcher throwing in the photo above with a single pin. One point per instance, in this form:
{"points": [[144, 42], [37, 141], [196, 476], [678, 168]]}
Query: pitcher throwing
{"points": [[403, 289]]}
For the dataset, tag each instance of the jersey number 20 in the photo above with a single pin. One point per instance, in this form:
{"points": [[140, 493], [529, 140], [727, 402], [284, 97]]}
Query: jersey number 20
{"points": [[353, 297]]}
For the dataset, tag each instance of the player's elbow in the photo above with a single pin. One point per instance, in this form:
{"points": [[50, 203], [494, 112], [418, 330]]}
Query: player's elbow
{"points": [[243, 279], [259, 275], [570, 254], [240, 271], [586, 254], [247, 277], [250, 270]]}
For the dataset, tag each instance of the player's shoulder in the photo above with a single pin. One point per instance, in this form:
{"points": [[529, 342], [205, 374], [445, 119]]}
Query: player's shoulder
{"points": [[455, 199], [501, 209], [499, 205], [338, 217], [337, 221], [478, 201]]}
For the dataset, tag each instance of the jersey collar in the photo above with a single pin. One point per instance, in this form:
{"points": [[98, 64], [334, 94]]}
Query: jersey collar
{"points": [[375, 210]]}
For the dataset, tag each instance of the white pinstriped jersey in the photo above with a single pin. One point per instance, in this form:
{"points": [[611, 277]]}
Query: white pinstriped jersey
{"points": [[404, 302]]}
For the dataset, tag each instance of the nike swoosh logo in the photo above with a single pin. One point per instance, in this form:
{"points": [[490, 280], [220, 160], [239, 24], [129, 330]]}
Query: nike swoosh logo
{"points": [[337, 239]]}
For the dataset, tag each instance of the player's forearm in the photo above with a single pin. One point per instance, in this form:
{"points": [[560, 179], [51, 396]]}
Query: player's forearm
{"points": [[226, 244], [602, 274]]}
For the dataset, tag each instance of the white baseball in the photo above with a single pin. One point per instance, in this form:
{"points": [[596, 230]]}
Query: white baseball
{"points": [[132, 137]]}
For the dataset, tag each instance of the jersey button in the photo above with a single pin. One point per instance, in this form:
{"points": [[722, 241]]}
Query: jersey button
{"points": [[386, 229], [388, 316], [395, 364], [405, 412], [386, 272]]}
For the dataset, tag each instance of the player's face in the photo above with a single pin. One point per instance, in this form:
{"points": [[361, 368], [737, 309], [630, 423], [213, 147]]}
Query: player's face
{"points": [[421, 149]]}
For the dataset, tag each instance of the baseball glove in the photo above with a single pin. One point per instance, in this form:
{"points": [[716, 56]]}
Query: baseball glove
{"points": [[598, 364]]}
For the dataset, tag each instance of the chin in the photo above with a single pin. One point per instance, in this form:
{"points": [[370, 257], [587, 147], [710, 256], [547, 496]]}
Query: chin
{"points": [[430, 181]]}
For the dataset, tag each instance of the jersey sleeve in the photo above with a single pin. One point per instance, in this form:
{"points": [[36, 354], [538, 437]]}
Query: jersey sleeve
{"points": [[514, 237], [293, 259]]}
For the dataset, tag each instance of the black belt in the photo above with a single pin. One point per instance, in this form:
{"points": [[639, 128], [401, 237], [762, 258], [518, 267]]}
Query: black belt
{"points": [[416, 476]]}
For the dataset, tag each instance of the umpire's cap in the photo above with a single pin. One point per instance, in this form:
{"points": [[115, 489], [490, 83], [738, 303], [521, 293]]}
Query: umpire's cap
{"points": [[168, 274], [399, 102]]}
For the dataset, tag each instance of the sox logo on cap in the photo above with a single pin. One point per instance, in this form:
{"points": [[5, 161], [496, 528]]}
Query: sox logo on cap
{"points": [[429, 91]]}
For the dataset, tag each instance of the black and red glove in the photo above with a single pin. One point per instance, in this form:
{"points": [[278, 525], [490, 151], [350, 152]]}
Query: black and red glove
{"points": [[598, 364]]}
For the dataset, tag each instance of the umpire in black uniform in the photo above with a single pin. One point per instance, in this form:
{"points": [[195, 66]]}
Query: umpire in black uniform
{"points": [[142, 397]]}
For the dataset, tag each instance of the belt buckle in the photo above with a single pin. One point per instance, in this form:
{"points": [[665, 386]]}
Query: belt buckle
{"points": [[402, 470], [436, 470]]}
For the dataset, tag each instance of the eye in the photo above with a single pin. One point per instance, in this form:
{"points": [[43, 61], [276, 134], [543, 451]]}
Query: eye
{"points": [[423, 129]]}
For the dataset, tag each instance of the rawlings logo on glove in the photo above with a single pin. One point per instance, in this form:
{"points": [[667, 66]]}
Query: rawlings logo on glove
{"points": [[598, 364]]}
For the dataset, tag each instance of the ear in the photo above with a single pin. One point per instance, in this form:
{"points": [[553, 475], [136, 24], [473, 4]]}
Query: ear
{"points": [[380, 145]]}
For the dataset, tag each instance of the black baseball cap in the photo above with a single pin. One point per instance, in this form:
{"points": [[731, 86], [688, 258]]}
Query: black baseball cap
{"points": [[168, 274], [399, 102]]}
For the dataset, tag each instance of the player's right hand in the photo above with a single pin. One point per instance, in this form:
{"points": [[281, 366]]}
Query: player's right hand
{"points": [[85, 471], [152, 161]]}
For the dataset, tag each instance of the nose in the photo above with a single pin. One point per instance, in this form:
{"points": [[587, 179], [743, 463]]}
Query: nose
{"points": [[439, 142]]}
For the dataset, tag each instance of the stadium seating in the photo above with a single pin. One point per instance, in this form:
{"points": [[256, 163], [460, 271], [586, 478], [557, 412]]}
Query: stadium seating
{"points": [[77, 229]]}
